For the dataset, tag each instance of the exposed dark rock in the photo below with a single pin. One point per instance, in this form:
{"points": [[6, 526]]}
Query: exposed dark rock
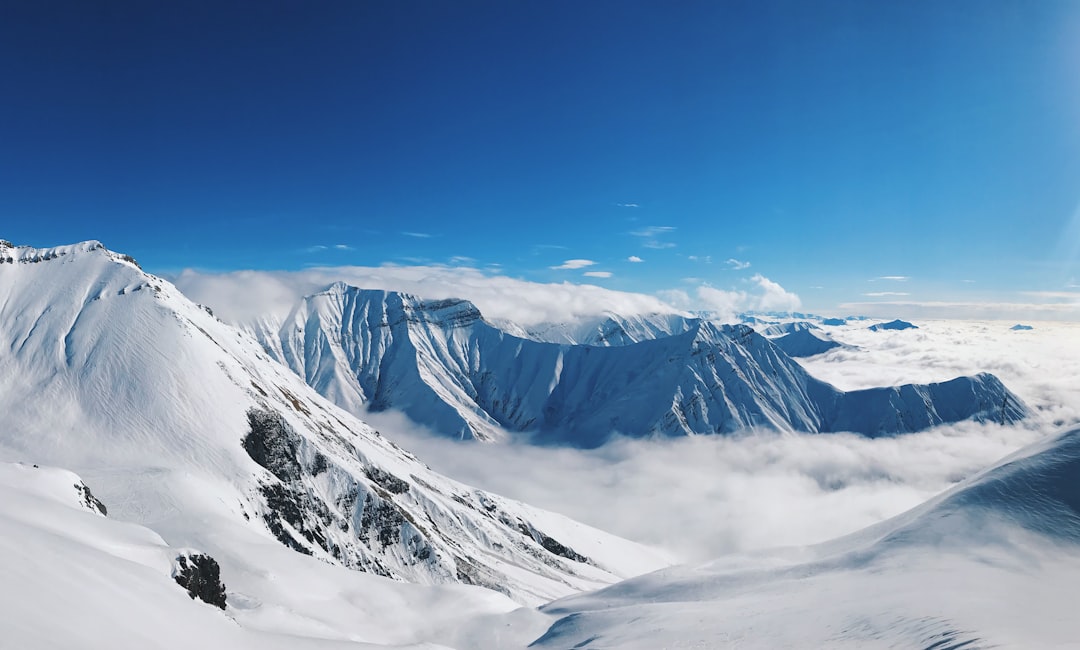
{"points": [[272, 444], [88, 499], [306, 515], [387, 481], [551, 545], [383, 518], [201, 576]]}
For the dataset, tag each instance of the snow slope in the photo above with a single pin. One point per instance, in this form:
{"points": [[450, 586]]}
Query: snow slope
{"points": [[183, 425], [445, 367], [991, 563]]}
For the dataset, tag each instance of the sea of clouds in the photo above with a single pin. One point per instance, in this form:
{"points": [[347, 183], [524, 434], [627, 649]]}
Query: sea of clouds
{"points": [[707, 496]]}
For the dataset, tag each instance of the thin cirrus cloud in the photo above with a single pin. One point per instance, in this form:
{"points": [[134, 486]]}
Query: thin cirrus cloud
{"points": [[628, 205], [318, 248], [738, 265], [891, 278], [418, 235], [651, 235], [570, 265], [598, 274], [884, 294]]}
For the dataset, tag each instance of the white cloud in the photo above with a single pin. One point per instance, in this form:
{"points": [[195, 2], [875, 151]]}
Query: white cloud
{"points": [[628, 205], [419, 235], [694, 258], [653, 231], [634, 258], [676, 298], [882, 294], [462, 260], [737, 265], [573, 264], [597, 274], [343, 247], [651, 235], [243, 295], [891, 278], [964, 309], [315, 249], [774, 297], [725, 304]]}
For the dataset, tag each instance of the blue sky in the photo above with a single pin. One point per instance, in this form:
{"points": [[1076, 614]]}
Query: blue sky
{"points": [[832, 147]]}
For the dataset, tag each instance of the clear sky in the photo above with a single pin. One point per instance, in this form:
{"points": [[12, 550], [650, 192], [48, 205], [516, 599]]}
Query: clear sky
{"points": [[849, 151]]}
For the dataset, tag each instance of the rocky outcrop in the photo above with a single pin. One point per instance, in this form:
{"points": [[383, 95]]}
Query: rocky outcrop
{"points": [[200, 575]]}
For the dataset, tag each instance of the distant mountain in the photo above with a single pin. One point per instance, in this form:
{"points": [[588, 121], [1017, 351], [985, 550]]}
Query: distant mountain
{"points": [[1018, 327], [439, 362], [988, 564], [184, 425], [893, 325], [783, 329], [805, 343], [833, 321]]}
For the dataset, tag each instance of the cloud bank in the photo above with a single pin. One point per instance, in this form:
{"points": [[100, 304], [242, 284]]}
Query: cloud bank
{"points": [[241, 296], [705, 496]]}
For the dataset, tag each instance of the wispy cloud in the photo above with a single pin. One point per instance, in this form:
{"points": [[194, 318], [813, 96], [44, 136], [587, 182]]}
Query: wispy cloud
{"points": [[634, 258], [628, 205], [315, 249], [737, 265], [570, 265], [461, 259], [1072, 296], [418, 235], [891, 278], [343, 247], [765, 295], [883, 294], [695, 258], [597, 274], [651, 236]]}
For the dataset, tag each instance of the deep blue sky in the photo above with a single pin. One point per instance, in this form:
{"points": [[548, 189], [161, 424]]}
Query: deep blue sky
{"points": [[825, 143]]}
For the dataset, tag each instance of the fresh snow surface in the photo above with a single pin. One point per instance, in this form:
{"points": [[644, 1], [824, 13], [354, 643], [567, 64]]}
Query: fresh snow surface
{"points": [[445, 367], [993, 562], [111, 373]]}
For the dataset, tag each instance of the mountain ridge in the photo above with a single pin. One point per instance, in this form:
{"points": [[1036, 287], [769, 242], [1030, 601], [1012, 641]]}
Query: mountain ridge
{"points": [[470, 379]]}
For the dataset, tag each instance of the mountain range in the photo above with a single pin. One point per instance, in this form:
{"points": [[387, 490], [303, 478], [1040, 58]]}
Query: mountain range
{"points": [[442, 364]]}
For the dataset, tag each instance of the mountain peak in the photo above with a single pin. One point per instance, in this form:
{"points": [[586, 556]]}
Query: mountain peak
{"points": [[13, 254]]}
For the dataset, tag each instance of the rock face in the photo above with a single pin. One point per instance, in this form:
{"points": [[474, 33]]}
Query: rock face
{"points": [[201, 576], [445, 367], [91, 502], [113, 373]]}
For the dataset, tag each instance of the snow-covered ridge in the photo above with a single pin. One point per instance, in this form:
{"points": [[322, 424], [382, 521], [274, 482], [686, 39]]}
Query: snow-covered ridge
{"points": [[987, 564], [466, 378], [178, 419], [12, 254]]}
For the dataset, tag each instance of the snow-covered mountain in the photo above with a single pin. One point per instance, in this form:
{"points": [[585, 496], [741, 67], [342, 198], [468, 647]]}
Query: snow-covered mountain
{"points": [[439, 362], [608, 330], [992, 563], [805, 343], [182, 424]]}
